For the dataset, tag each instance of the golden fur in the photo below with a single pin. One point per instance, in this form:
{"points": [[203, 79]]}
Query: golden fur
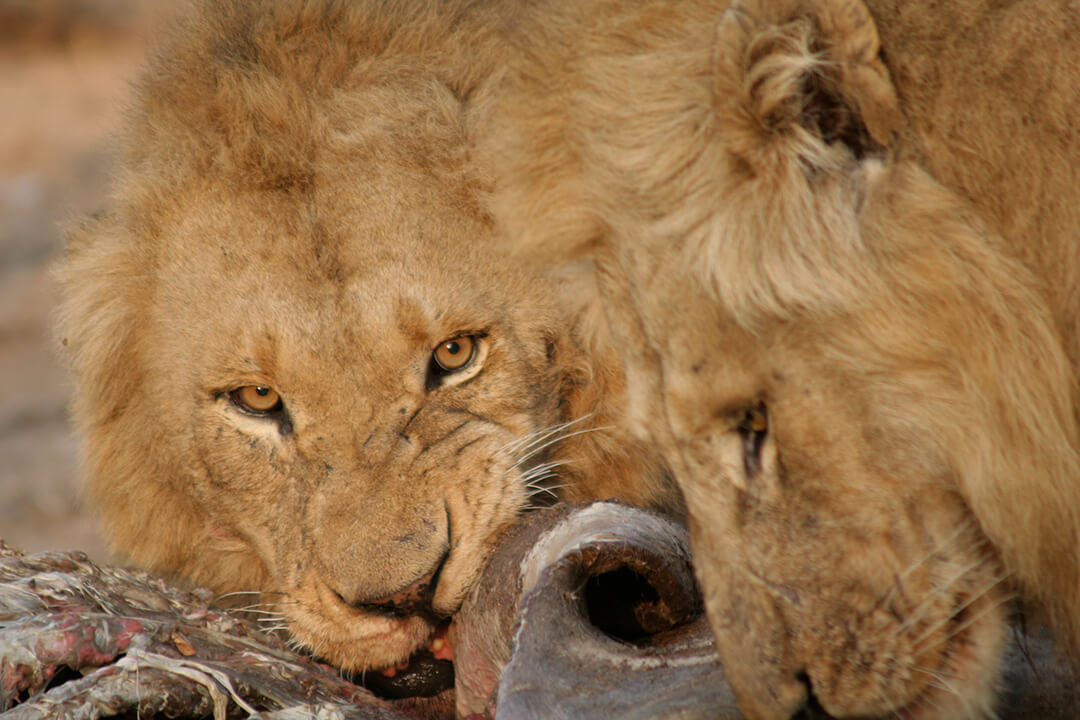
{"points": [[846, 283], [296, 212]]}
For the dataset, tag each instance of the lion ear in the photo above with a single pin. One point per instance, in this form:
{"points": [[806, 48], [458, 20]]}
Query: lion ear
{"points": [[803, 79], [807, 120]]}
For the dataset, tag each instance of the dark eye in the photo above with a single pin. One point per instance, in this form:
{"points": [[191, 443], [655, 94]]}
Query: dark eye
{"points": [[456, 354], [753, 428], [257, 399]]}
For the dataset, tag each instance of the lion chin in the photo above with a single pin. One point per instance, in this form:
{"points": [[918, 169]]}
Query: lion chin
{"points": [[836, 244], [310, 375]]}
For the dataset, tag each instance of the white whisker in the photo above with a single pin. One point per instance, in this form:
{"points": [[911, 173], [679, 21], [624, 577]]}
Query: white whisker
{"points": [[253, 610], [545, 467], [940, 681], [548, 489], [938, 547], [274, 628], [559, 439], [540, 435], [531, 438], [918, 643], [919, 610]]}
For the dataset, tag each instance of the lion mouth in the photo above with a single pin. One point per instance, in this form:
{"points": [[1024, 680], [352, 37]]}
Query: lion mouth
{"points": [[428, 672], [969, 662], [966, 670]]}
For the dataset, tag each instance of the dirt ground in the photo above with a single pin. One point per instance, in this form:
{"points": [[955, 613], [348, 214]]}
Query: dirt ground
{"points": [[65, 72]]}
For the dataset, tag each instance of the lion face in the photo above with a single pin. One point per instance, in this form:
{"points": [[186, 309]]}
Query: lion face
{"points": [[349, 420], [376, 407], [840, 564]]}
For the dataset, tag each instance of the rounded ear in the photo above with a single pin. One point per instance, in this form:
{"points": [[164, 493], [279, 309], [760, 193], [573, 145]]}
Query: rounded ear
{"points": [[808, 119], [800, 79]]}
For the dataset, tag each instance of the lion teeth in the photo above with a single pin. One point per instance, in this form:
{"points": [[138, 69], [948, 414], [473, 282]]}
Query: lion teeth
{"points": [[394, 669], [442, 643]]}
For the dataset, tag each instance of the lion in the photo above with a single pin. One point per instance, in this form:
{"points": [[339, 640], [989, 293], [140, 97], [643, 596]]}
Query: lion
{"points": [[837, 247], [306, 366]]}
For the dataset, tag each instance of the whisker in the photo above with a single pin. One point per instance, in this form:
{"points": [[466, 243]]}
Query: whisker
{"points": [[886, 701], [918, 645], [540, 480], [234, 593], [249, 592], [274, 629], [530, 438], [920, 609], [972, 707], [544, 471], [253, 609], [938, 681], [546, 467], [938, 547], [548, 489], [559, 439], [540, 435]]}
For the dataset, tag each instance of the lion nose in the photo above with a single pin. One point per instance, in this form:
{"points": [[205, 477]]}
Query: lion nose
{"points": [[413, 599]]}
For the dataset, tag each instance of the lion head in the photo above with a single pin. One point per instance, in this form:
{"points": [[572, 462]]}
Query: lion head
{"points": [[864, 392], [305, 367]]}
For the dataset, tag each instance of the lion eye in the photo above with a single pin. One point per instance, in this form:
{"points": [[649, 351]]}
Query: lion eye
{"points": [[756, 420], [257, 399], [753, 429], [455, 354]]}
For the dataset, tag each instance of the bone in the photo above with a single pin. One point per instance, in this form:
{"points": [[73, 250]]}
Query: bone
{"points": [[589, 612]]}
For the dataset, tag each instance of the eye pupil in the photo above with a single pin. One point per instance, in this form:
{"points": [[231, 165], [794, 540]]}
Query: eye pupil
{"points": [[454, 355], [262, 391]]}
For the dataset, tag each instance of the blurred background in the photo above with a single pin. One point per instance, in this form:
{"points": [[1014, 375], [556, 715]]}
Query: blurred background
{"points": [[66, 67]]}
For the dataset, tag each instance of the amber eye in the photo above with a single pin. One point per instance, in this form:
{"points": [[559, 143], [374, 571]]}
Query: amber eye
{"points": [[257, 399], [453, 355]]}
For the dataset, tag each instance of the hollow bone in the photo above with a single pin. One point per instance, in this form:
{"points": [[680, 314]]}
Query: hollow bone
{"points": [[589, 612]]}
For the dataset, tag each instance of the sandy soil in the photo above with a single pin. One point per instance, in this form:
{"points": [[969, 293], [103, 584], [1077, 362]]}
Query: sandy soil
{"points": [[65, 73]]}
